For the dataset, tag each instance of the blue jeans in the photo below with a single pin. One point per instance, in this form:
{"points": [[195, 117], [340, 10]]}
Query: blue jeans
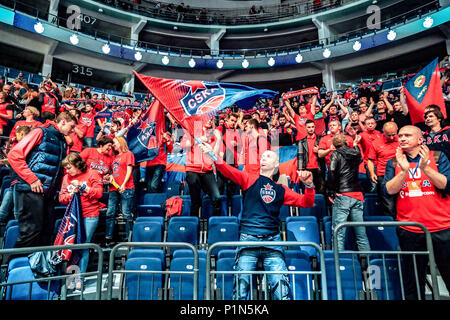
{"points": [[90, 225], [7, 205], [153, 177], [273, 260], [343, 208], [127, 207]]}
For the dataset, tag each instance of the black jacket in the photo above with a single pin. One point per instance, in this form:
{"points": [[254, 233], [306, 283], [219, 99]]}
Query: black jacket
{"points": [[343, 171]]}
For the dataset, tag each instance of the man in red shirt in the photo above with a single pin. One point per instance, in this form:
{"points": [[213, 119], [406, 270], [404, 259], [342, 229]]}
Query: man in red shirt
{"points": [[87, 118], [419, 179], [306, 112], [6, 111], [309, 159], [326, 146], [29, 113], [154, 169], [381, 151], [199, 169], [255, 144]]}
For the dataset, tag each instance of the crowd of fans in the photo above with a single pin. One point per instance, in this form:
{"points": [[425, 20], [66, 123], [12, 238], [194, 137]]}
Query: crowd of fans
{"points": [[346, 141]]}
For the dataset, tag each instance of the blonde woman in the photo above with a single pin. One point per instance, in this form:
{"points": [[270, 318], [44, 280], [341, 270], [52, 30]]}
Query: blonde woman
{"points": [[121, 189]]}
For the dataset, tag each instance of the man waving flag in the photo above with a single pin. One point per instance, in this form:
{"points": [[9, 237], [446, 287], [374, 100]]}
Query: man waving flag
{"points": [[195, 100], [424, 89]]}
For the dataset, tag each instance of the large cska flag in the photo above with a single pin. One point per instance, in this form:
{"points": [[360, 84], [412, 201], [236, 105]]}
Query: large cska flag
{"points": [[424, 89], [190, 101], [145, 137]]}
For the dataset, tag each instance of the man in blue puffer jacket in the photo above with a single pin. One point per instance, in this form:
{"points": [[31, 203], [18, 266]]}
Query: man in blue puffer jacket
{"points": [[36, 161]]}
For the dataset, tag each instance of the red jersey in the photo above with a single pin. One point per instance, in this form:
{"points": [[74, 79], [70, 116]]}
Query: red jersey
{"points": [[312, 157], [419, 201], [4, 108], [120, 166], [22, 123], [97, 161], [77, 142], [382, 151], [161, 158], [300, 124], [89, 199], [87, 119], [367, 138], [327, 141], [196, 161]]}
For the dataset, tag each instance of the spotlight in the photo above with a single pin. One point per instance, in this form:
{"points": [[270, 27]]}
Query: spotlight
{"points": [[192, 63], [74, 39], [357, 46], [299, 58], [165, 60], [138, 56], [245, 64], [391, 35], [326, 53], [428, 22], [106, 49], [38, 27], [219, 64], [271, 62]]}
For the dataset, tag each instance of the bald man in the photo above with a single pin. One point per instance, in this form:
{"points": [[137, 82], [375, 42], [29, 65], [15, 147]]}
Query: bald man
{"points": [[418, 178], [262, 202], [380, 152]]}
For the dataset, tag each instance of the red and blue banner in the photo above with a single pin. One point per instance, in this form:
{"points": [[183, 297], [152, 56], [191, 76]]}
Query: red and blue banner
{"points": [[176, 167], [424, 89], [71, 229], [145, 137], [189, 101]]}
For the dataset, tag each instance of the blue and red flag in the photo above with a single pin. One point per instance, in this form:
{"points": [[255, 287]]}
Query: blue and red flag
{"points": [[176, 167], [424, 89], [288, 160], [189, 101], [145, 137], [71, 229]]}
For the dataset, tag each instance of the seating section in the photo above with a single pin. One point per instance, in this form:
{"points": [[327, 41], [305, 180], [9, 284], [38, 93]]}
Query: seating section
{"points": [[143, 286]]}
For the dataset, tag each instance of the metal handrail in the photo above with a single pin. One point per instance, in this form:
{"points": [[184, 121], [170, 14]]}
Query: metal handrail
{"points": [[118, 246], [265, 244], [429, 244], [83, 246]]}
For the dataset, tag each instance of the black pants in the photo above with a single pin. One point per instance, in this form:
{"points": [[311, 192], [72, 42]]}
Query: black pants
{"points": [[411, 241], [387, 203], [227, 187], [35, 219], [207, 183]]}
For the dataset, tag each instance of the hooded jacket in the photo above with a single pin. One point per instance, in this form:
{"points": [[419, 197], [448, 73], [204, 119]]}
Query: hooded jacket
{"points": [[343, 170]]}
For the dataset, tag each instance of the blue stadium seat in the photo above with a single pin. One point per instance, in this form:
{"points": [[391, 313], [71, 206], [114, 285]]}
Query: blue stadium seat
{"points": [[19, 271], [285, 212], [18, 262], [148, 231], [226, 253], [11, 235], [183, 229], [326, 221], [143, 286], [351, 278], [141, 252], [371, 205], [222, 229], [319, 209], [183, 253], [301, 284], [12, 222], [152, 204], [382, 238], [182, 284], [207, 209], [384, 278], [304, 231], [172, 188], [186, 209], [225, 282]]}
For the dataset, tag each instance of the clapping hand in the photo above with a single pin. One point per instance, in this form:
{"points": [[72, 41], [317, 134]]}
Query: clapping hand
{"points": [[306, 177], [401, 159]]}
